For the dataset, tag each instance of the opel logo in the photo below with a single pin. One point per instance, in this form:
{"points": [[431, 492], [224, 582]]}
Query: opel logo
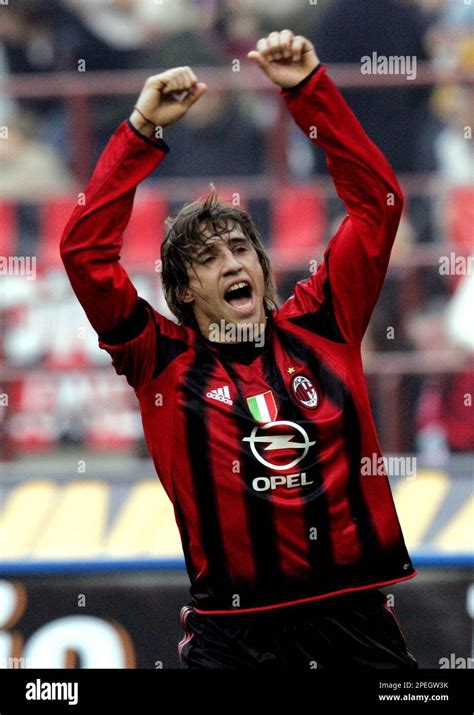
{"points": [[277, 442]]}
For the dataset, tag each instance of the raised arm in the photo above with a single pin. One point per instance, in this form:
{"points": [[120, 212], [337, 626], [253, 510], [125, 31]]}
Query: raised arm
{"points": [[348, 282], [92, 239]]}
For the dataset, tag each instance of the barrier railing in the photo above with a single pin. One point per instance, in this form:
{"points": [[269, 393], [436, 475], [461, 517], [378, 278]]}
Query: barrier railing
{"points": [[77, 89]]}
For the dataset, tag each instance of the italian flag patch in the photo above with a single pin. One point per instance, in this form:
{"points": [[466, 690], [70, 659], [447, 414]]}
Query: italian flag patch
{"points": [[262, 407]]}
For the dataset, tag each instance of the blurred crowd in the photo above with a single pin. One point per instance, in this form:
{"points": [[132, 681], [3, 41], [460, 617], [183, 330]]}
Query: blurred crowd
{"points": [[418, 129], [423, 130]]}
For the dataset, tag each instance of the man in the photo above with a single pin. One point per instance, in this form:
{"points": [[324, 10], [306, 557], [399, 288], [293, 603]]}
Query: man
{"points": [[258, 439]]}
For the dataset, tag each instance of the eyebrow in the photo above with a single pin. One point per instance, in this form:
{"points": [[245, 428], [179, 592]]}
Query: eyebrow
{"points": [[211, 247]]}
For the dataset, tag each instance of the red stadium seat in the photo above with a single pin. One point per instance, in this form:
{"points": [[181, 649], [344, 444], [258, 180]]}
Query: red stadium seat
{"points": [[8, 228], [297, 225], [144, 233], [461, 218], [29, 426], [142, 237]]}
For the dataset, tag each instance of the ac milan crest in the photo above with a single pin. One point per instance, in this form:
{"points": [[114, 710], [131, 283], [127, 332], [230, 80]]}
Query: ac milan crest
{"points": [[305, 392]]}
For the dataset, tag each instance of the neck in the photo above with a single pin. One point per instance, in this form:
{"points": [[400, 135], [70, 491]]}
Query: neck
{"points": [[243, 351]]}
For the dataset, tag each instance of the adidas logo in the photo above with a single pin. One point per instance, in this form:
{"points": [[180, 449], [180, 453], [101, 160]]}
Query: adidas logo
{"points": [[221, 394]]}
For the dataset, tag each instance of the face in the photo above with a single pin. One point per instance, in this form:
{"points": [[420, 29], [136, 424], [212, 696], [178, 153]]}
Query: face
{"points": [[226, 284]]}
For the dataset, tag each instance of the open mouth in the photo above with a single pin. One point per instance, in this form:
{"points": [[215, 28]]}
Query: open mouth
{"points": [[239, 295]]}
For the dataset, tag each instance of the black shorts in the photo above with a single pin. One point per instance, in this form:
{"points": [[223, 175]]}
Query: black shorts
{"points": [[357, 630]]}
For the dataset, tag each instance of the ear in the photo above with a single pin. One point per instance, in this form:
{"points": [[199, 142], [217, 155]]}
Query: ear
{"points": [[187, 295]]}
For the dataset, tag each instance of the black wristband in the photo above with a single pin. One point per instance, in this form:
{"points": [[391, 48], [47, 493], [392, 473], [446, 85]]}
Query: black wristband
{"points": [[304, 80], [157, 143]]}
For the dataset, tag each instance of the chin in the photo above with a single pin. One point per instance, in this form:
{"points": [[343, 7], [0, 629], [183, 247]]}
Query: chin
{"points": [[241, 316]]}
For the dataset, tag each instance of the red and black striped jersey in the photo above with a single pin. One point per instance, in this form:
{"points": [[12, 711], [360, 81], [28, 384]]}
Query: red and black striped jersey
{"points": [[260, 448]]}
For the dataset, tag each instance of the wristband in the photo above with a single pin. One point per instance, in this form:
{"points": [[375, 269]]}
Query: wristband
{"points": [[141, 113]]}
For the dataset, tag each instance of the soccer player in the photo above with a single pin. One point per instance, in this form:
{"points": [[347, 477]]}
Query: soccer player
{"points": [[257, 417]]}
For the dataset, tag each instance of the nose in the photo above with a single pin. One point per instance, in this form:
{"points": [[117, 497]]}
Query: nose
{"points": [[231, 262]]}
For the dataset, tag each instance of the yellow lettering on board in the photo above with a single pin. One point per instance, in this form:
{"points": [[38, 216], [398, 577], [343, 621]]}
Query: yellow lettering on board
{"points": [[146, 525], [76, 528], [24, 515]]}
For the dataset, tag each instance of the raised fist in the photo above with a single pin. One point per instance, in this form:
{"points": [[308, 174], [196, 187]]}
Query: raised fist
{"points": [[165, 98], [285, 58]]}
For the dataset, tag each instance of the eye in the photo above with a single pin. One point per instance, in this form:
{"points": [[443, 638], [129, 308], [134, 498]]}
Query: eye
{"points": [[209, 259], [241, 249]]}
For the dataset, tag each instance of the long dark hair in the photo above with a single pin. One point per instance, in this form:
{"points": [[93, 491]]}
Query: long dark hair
{"points": [[184, 233]]}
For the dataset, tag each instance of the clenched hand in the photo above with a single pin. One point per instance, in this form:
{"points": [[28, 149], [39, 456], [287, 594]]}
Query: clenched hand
{"points": [[285, 58], [165, 98]]}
